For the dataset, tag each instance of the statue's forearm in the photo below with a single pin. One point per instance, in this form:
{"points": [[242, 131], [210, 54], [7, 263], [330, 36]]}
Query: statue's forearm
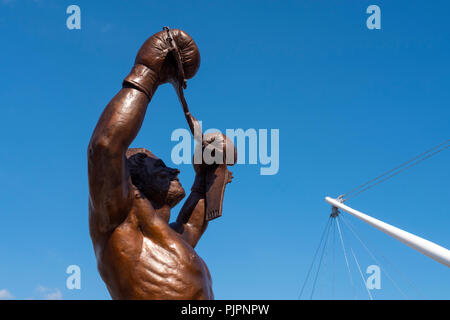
{"points": [[191, 219], [191, 213], [121, 120], [191, 223]]}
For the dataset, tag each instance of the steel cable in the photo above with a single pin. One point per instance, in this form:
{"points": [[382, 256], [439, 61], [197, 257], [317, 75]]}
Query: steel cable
{"points": [[400, 168]]}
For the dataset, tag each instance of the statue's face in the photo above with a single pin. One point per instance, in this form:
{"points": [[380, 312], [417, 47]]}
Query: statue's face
{"points": [[163, 186]]}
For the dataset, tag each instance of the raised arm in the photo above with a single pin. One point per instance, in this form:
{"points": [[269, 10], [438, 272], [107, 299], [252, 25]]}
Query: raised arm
{"points": [[108, 173], [191, 222], [109, 179], [206, 198]]}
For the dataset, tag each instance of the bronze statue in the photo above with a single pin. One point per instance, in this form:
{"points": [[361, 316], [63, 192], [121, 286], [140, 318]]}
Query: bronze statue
{"points": [[139, 254]]}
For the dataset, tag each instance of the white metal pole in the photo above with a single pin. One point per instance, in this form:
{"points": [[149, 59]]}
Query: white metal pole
{"points": [[428, 248]]}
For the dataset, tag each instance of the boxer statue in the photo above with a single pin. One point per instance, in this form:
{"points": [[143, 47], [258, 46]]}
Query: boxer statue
{"points": [[131, 192]]}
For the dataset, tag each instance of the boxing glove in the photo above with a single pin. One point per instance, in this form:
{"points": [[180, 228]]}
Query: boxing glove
{"points": [[155, 63], [215, 149]]}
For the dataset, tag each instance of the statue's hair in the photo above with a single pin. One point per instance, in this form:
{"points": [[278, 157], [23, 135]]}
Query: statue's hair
{"points": [[135, 160], [133, 151]]}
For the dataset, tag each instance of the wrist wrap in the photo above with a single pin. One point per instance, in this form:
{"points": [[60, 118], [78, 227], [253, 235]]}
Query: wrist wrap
{"points": [[143, 78]]}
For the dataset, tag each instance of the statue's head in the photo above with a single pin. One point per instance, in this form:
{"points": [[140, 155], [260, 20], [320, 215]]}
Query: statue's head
{"points": [[153, 178]]}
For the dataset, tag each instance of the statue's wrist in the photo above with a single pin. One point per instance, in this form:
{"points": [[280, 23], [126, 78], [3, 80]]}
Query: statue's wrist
{"points": [[143, 79]]}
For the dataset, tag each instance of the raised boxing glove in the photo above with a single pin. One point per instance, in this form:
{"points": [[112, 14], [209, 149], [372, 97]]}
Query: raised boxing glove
{"points": [[154, 65]]}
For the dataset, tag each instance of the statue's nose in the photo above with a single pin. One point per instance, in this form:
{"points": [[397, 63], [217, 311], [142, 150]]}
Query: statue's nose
{"points": [[175, 172]]}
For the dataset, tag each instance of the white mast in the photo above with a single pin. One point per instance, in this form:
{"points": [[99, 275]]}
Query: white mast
{"points": [[428, 248]]}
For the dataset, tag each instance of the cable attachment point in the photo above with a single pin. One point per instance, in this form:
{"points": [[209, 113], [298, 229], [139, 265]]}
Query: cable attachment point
{"points": [[334, 212]]}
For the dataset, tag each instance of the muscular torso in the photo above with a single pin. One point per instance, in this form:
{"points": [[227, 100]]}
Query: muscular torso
{"points": [[144, 258]]}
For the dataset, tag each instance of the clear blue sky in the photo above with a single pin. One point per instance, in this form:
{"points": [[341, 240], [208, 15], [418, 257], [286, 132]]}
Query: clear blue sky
{"points": [[349, 102]]}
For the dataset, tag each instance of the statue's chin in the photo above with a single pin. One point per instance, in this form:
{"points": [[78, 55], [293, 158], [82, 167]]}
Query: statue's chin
{"points": [[175, 194]]}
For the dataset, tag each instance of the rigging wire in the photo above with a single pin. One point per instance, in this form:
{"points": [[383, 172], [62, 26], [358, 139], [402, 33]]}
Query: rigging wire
{"points": [[376, 260], [334, 261], [325, 259], [314, 258], [355, 232], [362, 276], [346, 260], [357, 263], [320, 262], [400, 168]]}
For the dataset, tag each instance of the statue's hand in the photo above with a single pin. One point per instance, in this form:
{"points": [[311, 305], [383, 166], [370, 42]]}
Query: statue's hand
{"points": [[154, 64], [216, 149], [212, 173]]}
